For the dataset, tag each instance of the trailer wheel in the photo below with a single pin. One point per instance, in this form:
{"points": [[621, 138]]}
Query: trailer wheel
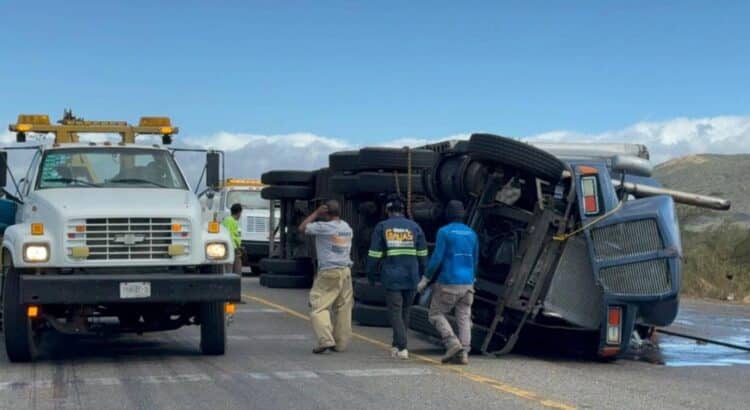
{"points": [[290, 267], [20, 338], [286, 281], [213, 328], [376, 183], [419, 321], [369, 294], [369, 315], [344, 161], [287, 178], [287, 192], [516, 154], [396, 158]]}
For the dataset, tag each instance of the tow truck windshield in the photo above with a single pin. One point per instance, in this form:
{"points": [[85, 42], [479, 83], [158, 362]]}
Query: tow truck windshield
{"points": [[109, 168], [248, 199]]}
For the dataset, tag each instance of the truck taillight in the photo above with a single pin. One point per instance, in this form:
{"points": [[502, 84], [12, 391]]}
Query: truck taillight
{"points": [[614, 325], [590, 195]]}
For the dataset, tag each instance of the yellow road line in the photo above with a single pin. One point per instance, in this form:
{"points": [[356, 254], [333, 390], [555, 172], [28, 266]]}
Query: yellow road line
{"points": [[474, 377]]}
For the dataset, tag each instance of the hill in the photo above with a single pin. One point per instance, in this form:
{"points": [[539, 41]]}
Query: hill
{"points": [[716, 244]]}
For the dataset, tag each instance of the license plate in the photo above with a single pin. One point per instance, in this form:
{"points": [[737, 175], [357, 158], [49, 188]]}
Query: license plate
{"points": [[135, 290]]}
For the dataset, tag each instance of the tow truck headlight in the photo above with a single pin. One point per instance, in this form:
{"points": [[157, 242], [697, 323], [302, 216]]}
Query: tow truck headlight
{"points": [[36, 252], [216, 250]]}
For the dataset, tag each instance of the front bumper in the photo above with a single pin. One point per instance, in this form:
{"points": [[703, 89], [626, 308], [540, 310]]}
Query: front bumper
{"points": [[103, 288]]}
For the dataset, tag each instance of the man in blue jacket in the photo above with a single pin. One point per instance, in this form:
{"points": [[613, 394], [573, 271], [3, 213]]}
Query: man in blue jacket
{"points": [[455, 257], [398, 245]]}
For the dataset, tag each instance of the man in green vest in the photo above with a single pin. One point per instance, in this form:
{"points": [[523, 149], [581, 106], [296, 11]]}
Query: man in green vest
{"points": [[233, 226]]}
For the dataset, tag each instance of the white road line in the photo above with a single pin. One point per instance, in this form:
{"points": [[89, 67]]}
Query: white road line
{"points": [[279, 337], [259, 310], [6, 386], [383, 372], [297, 374]]}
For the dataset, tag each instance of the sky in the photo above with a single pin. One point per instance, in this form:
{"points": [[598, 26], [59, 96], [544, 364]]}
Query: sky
{"points": [[282, 84]]}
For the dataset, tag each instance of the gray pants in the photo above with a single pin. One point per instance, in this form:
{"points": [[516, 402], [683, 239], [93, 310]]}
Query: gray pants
{"points": [[446, 298], [399, 302]]}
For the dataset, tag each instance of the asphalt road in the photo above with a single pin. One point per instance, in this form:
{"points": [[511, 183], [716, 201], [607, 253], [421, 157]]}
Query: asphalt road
{"points": [[269, 365]]}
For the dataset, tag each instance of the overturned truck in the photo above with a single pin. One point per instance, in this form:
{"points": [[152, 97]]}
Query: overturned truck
{"points": [[573, 238]]}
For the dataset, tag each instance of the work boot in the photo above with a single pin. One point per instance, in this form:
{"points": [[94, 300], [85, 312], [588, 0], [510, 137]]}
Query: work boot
{"points": [[451, 352], [462, 358], [403, 355], [322, 349]]}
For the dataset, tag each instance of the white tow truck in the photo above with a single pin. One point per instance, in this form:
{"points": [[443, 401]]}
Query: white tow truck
{"points": [[257, 223], [108, 237]]}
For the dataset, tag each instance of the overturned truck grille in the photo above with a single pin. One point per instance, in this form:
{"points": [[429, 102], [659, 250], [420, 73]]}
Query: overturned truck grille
{"points": [[128, 238], [626, 239], [640, 278]]}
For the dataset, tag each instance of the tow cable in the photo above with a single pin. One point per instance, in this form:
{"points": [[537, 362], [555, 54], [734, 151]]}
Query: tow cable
{"points": [[703, 339]]}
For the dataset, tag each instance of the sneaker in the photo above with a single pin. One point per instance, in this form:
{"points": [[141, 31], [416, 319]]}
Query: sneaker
{"points": [[394, 352], [451, 352], [403, 355], [462, 358]]}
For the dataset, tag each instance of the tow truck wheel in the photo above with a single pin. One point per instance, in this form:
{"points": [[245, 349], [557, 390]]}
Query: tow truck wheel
{"points": [[213, 329], [20, 338]]}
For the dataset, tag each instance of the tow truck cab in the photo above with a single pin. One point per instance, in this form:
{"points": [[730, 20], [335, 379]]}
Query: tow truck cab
{"points": [[258, 221], [108, 237]]}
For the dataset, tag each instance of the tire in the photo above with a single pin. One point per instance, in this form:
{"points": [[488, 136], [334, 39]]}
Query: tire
{"points": [[20, 339], [344, 161], [286, 281], [369, 294], [213, 329], [375, 183], [287, 178], [516, 154], [289, 267], [395, 158], [369, 315], [419, 321], [379, 158], [287, 192]]}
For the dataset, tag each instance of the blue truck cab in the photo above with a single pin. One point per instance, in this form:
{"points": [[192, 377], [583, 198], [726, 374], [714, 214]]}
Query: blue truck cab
{"points": [[634, 248]]}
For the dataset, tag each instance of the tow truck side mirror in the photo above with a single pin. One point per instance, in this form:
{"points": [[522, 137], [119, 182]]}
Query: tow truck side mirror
{"points": [[3, 168], [212, 169]]}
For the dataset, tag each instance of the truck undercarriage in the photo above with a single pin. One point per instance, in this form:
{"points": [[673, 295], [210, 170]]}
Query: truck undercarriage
{"points": [[547, 261]]}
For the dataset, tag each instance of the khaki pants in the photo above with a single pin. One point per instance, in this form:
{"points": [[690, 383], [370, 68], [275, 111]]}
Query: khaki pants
{"points": [[236, 267], [331, 293], [452, 297]]}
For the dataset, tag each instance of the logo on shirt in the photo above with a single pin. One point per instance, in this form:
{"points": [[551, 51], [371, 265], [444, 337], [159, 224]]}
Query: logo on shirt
{"points": [[399, 238]]}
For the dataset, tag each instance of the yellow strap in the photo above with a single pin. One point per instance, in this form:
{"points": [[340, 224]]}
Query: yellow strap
{"points": [[565, 236]]}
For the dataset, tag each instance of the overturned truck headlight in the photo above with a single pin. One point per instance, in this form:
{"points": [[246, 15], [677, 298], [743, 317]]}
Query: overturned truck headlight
{"points": [[216, 250], [37, 252]]}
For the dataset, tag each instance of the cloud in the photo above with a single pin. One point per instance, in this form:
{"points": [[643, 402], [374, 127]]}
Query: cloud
{"points": [[249, 155], [673, 138]]}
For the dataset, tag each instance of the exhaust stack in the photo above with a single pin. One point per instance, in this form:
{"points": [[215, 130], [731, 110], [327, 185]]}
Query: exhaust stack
{"points": [[687, 198]]}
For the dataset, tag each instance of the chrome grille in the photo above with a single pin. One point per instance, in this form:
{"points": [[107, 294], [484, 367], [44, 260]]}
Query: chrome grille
{"points": [[640, 278], [626, 239], [128, 238], [257, 224]]}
